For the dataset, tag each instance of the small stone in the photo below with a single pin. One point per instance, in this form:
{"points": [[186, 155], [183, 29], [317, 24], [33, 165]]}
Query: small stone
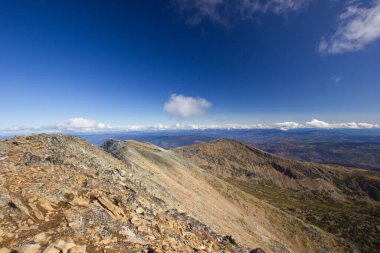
{"points": [[40, 238], [78, 222], [126, 231], [135, 221], [45, 204], [30, 248], [10, 235], [5, 250], [23, 228], [37, 212], [78, 201], [51, 249], [257, 250], [59, 243], [139, 210], [78, 249], [67, 246], [32, 199], [69, 239], [73, 225], [106, 240], [142, 229]]}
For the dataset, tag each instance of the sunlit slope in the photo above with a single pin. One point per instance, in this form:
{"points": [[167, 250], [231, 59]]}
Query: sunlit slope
{"points": [[62, 194], [221, 205], [343, 201]]}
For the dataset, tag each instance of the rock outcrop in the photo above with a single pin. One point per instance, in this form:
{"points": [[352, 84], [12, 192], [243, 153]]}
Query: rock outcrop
{"points": [[62, 194]]}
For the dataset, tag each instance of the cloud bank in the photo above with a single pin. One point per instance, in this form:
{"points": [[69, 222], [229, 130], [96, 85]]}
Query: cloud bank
{"points": [[82, 125], [315, 123], [71, 125], [222, 11], [288, 125], [183, 107], [357, 27]]}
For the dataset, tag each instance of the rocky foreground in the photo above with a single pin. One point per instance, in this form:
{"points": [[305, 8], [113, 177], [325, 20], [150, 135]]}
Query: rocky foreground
{"points": [[61, 194]]}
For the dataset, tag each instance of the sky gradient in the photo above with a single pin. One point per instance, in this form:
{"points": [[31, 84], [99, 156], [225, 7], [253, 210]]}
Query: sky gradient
{"points": [[188, 62]]}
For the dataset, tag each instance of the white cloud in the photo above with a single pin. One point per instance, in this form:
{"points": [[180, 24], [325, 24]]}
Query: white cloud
{"points": [[315, 123], [358, 27], [197, 10], [85, 125], [288, 125], [186, 107], [82, 124], [221, 11], [318, 124], [72, 125], [336, 78], [367, 125]]}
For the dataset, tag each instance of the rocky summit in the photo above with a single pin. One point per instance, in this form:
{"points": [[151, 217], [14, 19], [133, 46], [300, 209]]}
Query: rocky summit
{"points": [[61, 194]]}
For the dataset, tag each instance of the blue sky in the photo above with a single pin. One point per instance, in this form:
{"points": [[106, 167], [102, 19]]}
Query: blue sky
{"points": [[212, 62]]}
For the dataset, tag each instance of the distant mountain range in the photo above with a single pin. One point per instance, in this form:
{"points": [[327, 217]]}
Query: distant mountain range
{"points": [[61, 194], [351, 147]]}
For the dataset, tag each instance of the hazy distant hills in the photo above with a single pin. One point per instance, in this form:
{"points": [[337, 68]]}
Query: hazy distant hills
{"points": [[361, 155], [61, 193], [351, 147]]}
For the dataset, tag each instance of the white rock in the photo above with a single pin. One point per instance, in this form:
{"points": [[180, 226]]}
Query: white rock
{"points": [[5, 250], [78, 249], [30, 248], [51, 249], [40, 238]]}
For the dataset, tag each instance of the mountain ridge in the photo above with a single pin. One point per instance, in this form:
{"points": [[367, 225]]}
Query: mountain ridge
{"points": [[59, 192], [223, 190], [140, 198], [319, 194], [291, 169]]}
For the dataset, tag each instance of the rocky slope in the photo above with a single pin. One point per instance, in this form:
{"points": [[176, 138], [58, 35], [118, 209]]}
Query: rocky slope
{"points": [[344, 201], [62, 194], [224, 207]]}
